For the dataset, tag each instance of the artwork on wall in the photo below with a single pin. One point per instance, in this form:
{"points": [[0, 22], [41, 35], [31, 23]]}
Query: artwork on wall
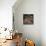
{"points": [[28, 18]]}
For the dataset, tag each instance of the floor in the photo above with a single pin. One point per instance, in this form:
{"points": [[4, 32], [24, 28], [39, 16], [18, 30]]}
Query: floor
{"points": [[9, 43]]}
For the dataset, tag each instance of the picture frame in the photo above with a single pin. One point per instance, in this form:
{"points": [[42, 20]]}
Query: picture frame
{"points": [[28, 18]]}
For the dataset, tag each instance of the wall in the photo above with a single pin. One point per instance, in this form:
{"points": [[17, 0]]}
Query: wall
{"points": [[6, 13], [43, 22], [29, 31]]}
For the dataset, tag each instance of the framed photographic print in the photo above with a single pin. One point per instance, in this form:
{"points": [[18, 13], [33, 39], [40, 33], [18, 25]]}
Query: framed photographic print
{"points": [[28, 18]]}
